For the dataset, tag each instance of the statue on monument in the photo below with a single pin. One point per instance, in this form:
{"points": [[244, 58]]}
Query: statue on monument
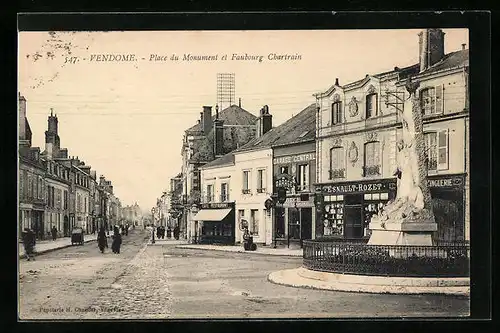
{"points": [[413, 201]]}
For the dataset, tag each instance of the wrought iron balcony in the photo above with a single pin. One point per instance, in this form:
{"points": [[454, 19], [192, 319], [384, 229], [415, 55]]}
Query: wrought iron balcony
{"points": [[245, 191], [371, 170], [261, 190], [337, 173]]}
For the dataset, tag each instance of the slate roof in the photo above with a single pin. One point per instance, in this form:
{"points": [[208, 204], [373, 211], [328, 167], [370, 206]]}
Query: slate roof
{"points": [[232, 115], [227, 159], [450, 60]]}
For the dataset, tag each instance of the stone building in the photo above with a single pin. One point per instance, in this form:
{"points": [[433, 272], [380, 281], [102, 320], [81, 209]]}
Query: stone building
{"points": [[213, 136], [31, 184], [359, 125]]}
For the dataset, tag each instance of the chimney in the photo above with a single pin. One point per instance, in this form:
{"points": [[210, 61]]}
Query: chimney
{"points": [[239, 102], [463, 46], [337, 82], [218, 138], [201, 121], [52, 122], [216, 111], [264, 122], [63, 153], [207, 119], [22, 117], [431, 47]]}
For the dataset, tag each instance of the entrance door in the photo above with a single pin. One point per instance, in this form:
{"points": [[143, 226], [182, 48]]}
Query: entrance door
{"points": [[353, 221], [66, 226], [306, 224]]}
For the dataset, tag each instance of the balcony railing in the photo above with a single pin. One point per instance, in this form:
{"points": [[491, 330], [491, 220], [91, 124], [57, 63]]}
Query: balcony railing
{"points": [[209, 198], [337, 173], [261, 190], [245, 191], [224, 198], [371, 170]]}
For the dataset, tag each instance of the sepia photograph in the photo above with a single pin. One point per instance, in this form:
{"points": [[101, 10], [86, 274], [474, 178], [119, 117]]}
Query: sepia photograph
{"points": [[213, 174]]}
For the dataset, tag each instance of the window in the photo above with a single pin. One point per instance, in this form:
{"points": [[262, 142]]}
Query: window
{"points": [[246, 183], [65, 199], [337, 163], [224, 194], [303, 177], [431, 150], [210, 193], [261, 181], [85, 204], [254, 222], [436, 147], [371, 105], [241, 215], [40, 188], [431, 100], [337, 113], [21, 184], [284, 170], [372, 159]]}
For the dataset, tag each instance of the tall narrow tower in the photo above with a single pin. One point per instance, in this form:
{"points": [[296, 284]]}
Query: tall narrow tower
{"points": [[225, 90]]}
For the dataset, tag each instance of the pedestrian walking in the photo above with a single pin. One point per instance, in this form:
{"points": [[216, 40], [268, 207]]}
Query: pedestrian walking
{"points": [[126, 229], [29, 243], [158, 232], [176, 232], [102, 240], [54, 233], [117, 241]]}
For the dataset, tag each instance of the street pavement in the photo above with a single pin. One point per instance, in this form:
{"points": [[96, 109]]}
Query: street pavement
{"points": [[163, 281]]}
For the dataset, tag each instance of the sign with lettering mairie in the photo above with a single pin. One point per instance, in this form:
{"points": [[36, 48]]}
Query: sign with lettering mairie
{"points": [[294, 158]]}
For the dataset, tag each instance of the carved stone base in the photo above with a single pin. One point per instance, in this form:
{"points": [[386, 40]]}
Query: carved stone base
{"points": [[402, 233]]}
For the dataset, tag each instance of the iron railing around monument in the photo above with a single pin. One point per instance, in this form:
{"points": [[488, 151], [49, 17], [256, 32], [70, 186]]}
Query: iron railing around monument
{"points": [[387, 260]]}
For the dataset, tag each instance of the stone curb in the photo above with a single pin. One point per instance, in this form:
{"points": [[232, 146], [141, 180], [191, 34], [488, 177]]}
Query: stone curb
{"points": [[292, 278], [23, 256], [239, 251]]}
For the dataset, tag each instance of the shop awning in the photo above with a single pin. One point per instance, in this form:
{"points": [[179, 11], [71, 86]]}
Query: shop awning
{"points": [[211, 214]]}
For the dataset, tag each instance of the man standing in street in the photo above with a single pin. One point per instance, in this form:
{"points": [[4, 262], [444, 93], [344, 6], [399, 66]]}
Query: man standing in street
{"points": [[29, 243]]}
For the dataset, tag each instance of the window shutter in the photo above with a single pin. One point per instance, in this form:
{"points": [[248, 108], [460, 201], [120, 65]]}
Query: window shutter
{"points": [[439, 98], [443, 149]]}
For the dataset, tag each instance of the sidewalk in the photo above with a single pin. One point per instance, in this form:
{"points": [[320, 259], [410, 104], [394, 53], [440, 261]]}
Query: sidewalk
{"points": [[263, 250], [50, 245], [167, 241], [305, 278]]}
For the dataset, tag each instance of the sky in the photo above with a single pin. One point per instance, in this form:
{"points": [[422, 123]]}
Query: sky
{"points": [[126, 119]]}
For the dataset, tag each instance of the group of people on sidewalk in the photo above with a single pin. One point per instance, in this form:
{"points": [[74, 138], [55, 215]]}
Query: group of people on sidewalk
{"points": [[118, 231], [160, 232]]}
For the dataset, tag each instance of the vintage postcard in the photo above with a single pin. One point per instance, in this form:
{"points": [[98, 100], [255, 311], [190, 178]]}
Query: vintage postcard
{"points": [[243, 174]]}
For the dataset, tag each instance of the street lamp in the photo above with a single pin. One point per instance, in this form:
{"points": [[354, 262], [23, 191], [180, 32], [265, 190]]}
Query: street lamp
{"points": [[152, 228]]}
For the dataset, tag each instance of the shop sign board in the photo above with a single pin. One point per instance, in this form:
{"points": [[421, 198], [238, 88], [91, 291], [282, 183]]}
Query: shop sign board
{"points": [[217, 205], [294, 158], [379, 185]]}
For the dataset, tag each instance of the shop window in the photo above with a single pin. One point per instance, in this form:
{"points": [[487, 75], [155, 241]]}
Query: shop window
{"points": [[293, 223], [224, 193], [303, 177], [371, 105], [431, 100], [372, 159], [261, 181], [337, 114], [337, 163], [254, 222], [246, 182]]}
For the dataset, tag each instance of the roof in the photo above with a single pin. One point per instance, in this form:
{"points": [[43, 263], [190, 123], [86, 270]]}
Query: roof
{"points": [[227, 159], [299, 128], [450, 60], [232, 115]]}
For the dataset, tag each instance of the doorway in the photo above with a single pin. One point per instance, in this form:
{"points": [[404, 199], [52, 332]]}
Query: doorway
{"points": [[353, 219], [305, 224], [66, 226]]}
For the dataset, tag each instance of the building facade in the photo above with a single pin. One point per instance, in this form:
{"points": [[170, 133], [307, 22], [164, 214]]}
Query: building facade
{"points": [[359, 127]]}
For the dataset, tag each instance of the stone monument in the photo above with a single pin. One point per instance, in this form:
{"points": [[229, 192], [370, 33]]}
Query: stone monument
{"points": [[408, 219]]}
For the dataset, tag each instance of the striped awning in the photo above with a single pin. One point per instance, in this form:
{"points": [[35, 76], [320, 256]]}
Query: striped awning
{"points": [[211, 214]]}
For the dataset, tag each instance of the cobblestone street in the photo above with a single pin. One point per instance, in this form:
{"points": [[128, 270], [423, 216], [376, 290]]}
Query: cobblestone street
{"points": [[162, 281]]}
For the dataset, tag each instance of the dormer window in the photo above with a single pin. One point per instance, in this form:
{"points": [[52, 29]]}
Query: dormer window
{"points": [[337, 114], [371, 105]]}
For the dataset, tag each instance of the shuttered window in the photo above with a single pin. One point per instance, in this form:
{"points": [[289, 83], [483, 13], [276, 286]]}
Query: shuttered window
{"points": [[431, 150], [337, 163], [372, 158], [442, 149], [431, 100]]}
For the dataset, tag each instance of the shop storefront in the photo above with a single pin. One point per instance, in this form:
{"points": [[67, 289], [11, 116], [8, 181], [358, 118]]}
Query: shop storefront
{"points": [[294, 219], [346, 208], [215, 223], [447, 192]]}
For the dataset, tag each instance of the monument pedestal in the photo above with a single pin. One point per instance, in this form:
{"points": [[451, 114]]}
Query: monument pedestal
{"points": [[402, 233]]}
